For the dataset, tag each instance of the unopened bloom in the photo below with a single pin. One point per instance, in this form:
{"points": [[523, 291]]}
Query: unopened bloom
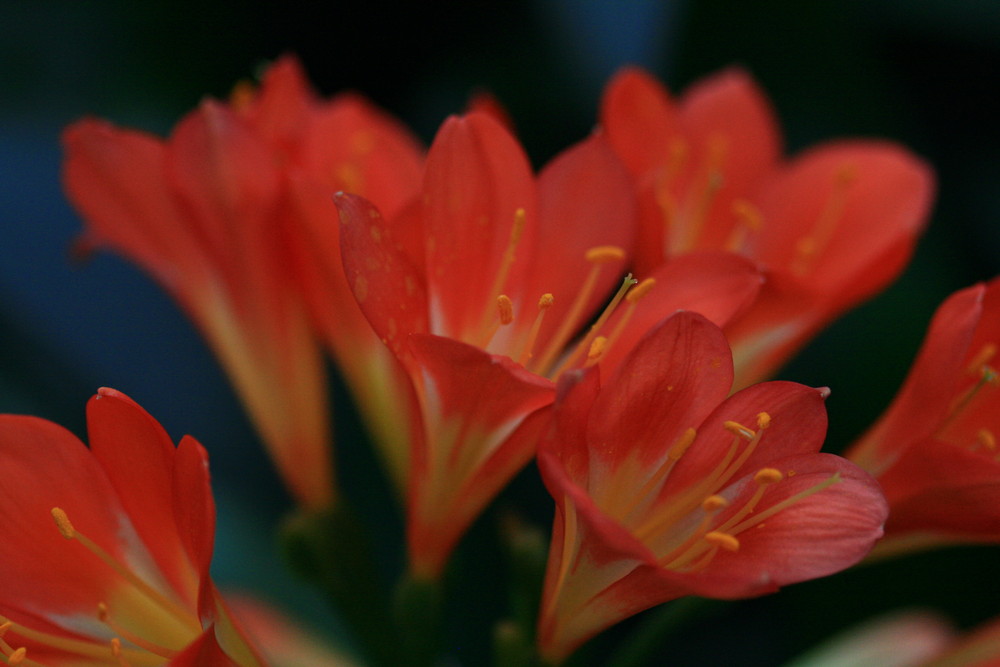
{"points": [[482, 290], [830, 227], [664, 487], [107, 551], [934, 450]]}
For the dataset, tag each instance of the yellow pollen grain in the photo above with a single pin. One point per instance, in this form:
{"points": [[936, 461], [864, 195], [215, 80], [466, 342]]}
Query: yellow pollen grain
{"points": [[596, 349], [17, 657], [505, 308], [714, 503], [724, 540], [604, 254], [682, 444], [546, 301], [640, 290], [739, 429], [63, 523], [983, 357], [763, 420], [767, 476]]}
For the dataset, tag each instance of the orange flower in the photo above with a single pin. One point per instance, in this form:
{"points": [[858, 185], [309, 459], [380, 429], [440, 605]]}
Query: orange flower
{"points": [[121, 577], [482, 288], [217, 215], [831, 227], [665, 487], [934, 450]]}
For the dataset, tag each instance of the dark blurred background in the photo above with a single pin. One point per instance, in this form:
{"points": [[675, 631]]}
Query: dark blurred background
{"points": [[922, 72]]}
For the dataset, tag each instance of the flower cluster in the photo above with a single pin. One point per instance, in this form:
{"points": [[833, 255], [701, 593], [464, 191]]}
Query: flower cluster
{"points": [[615, 318]]}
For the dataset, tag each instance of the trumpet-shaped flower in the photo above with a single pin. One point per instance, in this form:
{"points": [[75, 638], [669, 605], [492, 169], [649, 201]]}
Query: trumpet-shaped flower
{"points": [[217, 213], [934, 449], [830, 227], [107, 551], [665, 487], [481, 289]]}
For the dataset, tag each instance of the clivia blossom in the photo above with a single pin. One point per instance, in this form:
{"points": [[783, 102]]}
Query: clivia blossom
{"points": [[830, 227], [934, 450], [220, 214], [106, 552], [664, 487], [482, 289]]}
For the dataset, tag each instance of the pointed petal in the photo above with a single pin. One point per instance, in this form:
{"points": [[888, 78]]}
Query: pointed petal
{"points": [[585, 201], [472, 405], [797, 426], [926, 395], [192, 503], [137, 456], [670, 382], [352, 146], [280, 107], [817, 535], [476, 179], [115, 179], [830, 198], [640, 119], [388, 289], [44, 573], [731, 106], [719, 286]]}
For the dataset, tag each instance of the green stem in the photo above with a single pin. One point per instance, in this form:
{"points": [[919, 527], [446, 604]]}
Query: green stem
{"points": [[417, 615], [332, 550]]}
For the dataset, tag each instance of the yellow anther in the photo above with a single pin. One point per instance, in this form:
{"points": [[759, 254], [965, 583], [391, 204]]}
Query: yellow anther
{"points": [[714, 503], [983, 357], [767, 476], [546, 301], [640, 290], [985, 437], [17, 657], [604, 254], [505, 308], [596, 349], [103, 615], [63, 523], [763, 420], [739, 429], [724, 540], [682, 444]]}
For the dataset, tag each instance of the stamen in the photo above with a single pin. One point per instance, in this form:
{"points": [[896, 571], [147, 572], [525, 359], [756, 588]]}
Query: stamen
{"points": [[786, 503], [604, 254], [505, 309], [105, 617], [766, 476], [17, 657], [631, 298], [714, 503], [682, 444], [116, 652], [713, 180], [67, 530], [544, 304], [724, 540], [584, 344], [597, 256], [739, 429], [982, 358], [596, 350], [808, 247], [748, 220], [87, 649], [516, 231]]}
